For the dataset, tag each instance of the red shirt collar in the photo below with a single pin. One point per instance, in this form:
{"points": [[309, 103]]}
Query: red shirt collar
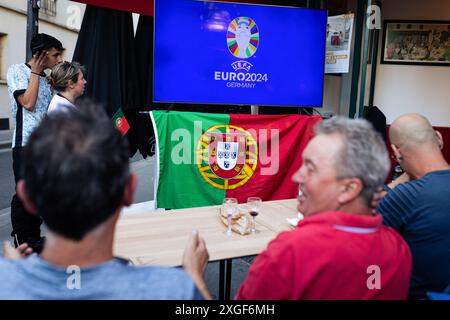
{"points": [[346, 219]]}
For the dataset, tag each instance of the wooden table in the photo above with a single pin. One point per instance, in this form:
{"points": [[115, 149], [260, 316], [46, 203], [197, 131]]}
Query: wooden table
{"points": [[159, 238]]}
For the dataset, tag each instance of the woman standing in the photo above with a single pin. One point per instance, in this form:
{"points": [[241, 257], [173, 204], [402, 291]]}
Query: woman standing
{"points": [[67, 80]]}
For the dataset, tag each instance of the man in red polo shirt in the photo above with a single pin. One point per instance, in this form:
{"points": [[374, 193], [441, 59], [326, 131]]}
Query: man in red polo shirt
{"points": [[341, 250]]}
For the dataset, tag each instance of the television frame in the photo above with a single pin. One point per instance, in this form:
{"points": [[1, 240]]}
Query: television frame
{"points": [[236, 104]]}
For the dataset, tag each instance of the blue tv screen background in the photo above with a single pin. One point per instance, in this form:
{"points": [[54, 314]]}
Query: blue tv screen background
{"points": [[281, 65]]}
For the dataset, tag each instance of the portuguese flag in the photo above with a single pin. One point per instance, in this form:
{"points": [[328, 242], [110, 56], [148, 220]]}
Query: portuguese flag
{"points": [[121, 122], [203, 158]]}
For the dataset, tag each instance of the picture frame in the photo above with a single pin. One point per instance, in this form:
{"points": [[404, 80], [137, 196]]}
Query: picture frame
{"points": [[416, 42]]}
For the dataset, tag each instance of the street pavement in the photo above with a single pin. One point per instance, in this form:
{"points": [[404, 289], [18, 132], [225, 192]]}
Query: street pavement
{"points": [[144, 169]]}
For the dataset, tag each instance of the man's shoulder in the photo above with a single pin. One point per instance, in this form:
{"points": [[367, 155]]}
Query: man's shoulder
{"points": [[405, 197], [5, 264], [33, 278], [305, 236], [15, 68], [432, 188], [155, 272], [435, 177], [407, 190], [152, 282], [414, 189], [11, 278], [16, 72]]}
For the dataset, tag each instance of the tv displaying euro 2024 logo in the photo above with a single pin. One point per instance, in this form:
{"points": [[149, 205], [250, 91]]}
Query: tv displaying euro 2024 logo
{"points": [[243, 37]]}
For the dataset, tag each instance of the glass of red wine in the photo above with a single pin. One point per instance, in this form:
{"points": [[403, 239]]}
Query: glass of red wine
{"points": [[254, 205]]}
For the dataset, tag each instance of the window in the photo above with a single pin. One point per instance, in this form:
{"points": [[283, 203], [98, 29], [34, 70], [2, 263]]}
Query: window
{"points": [[2, 56], [48, 7]]}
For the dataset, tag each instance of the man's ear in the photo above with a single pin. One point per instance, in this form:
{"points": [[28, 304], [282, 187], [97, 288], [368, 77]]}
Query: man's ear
{"points": [[130, 188], [396, 151], [351, 189], [23, 195], [440, 140]]}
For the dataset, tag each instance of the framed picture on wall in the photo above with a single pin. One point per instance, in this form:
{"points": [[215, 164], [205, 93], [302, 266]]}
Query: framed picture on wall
{"points": [[422, 42]]}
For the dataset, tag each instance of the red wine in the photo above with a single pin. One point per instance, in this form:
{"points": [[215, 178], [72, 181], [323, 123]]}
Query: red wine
{"points": [[253, 213]]}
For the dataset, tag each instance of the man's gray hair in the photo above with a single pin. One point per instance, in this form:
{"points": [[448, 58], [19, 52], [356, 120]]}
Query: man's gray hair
{"points": [[363, 155]]}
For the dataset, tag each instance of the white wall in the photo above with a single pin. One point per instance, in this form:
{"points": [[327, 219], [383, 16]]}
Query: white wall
{"points": [[13, 24], [331, 94], [423, 89]]}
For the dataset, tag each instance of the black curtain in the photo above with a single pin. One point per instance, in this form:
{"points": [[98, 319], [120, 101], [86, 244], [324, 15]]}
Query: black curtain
{"points": [[142, 135], [144, 59], [107, 48], [377, 118]]}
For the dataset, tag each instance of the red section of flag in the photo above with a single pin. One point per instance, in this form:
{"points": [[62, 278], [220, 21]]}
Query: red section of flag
{"points": [[294, 133]]}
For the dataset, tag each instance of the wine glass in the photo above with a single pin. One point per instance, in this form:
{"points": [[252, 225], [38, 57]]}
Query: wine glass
{"points": [[229, 207], [254, 205]]}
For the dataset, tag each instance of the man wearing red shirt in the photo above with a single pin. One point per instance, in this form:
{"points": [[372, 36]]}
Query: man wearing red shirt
{"points": [[341, 250]]}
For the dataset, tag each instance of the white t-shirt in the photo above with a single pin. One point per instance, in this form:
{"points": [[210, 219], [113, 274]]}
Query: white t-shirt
{"points": [[59, 103], [26, 120]]}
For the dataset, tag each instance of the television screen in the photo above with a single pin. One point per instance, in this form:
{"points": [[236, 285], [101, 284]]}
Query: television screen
{"points": [[229, 53]]}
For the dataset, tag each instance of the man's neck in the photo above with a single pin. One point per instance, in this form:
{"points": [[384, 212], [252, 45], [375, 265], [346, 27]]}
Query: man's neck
{"points": [[357, 207], [424, 163], [95, 248]]}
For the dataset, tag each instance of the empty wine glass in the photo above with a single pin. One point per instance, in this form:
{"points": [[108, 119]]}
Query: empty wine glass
{"points": [[229, 207], [254, 205]]}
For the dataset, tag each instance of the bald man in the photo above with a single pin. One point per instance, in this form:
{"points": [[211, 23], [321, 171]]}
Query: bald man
{"points": [[420, 209]]}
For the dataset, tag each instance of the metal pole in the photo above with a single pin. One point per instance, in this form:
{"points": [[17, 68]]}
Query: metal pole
{"points": [[32, 24], [254, 109], [362, 92], [222, 280], [229, 265], [373, 75], [356, 68]]}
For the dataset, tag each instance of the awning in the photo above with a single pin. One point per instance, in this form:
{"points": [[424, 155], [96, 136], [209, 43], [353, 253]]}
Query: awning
{"points": [[144, 7]]}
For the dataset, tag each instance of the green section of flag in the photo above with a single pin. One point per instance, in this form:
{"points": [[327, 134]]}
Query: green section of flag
{"points": [[117, 115], [178, 134]]}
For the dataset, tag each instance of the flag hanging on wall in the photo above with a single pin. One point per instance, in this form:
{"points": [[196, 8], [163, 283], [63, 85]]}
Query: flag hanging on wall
{"points": [[203, 158]]}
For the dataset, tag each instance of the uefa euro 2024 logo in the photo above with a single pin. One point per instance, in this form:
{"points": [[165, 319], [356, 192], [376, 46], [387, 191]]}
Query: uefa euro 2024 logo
{"points": [[243, 37], [242, 42]]}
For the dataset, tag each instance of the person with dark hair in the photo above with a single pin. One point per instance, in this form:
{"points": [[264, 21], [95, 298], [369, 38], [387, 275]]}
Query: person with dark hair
{"points": [[67, 80], [29, 96], [76, 176]]}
